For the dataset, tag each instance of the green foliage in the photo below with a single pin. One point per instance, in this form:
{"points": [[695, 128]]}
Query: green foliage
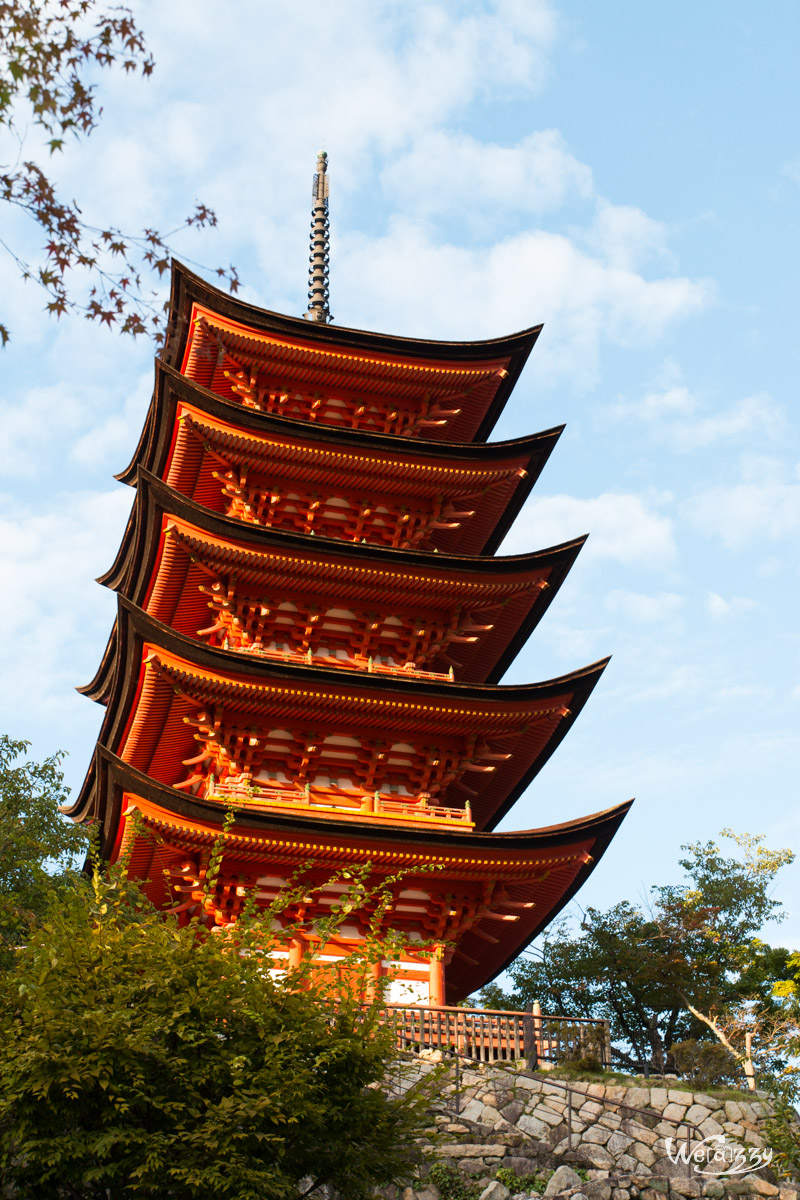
{"points": [[39, 848], [519, 1183], [569, 1071], [140, 1059], [658, 972], [782, 1126], [48, 53], [705, 1064], [580, 1064], [788, 989], [450, 1185]]}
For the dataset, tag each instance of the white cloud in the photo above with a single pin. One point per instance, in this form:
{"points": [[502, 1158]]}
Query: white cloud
{"points": [[93, 424], [744, 691], [448, 171], [764, 506], [720, 609], [359, 74], [110, 437], [30, 423], [386, 87], [791, 170], [625, 236], [54, 614], [391, 89], [654, 406], [753, 416], [623, 528], [675, 417], [643, 609], [407, 281], [686, 679]]}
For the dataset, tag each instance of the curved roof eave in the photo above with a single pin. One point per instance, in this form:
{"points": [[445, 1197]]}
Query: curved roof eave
{"points": [[113, 779], [181, 389], [229, 662], [605, 822], [131, 571], [120, 673], [156, 499], [188, 287]]}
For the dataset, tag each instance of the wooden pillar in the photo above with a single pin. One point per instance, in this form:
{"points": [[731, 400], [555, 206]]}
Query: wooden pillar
{"points": [[536, 1009], [296, 952], [436, 977], [374, 980]]}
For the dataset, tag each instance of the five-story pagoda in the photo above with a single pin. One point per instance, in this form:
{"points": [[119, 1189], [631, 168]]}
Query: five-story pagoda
{"points": [[311, 625]]}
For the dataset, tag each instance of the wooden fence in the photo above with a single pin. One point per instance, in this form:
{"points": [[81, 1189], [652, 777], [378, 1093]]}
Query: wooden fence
{"points": [[489, 1035]]}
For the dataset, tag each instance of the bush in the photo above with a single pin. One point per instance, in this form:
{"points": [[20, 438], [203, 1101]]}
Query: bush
{"points": [[450, 1185], [707, 1064], [143, 1060]]}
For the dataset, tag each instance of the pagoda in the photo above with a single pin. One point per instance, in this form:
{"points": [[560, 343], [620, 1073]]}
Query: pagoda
{"points": [[311, 627]]}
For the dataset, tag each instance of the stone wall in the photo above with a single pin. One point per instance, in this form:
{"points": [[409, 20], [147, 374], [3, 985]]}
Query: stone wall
{"points": [[504, 1116]]}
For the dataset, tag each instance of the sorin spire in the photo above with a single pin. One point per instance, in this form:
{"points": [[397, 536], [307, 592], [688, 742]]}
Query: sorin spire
{"points": [[318, 295]]}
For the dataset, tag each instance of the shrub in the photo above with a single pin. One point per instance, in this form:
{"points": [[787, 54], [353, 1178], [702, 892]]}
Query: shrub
{"points": [[707, 1064], [139, 1059]]}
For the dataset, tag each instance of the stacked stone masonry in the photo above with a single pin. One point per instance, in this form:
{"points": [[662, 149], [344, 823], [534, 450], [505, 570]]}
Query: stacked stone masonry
{"points": [[503, 1116]]}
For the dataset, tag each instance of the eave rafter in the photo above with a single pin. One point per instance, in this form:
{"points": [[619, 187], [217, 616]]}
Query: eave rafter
{"points": [[347, 391], [163, 571], [346, 492], [455, 744], [267, 744], [315, 613], [403, 385], [350, 485]]}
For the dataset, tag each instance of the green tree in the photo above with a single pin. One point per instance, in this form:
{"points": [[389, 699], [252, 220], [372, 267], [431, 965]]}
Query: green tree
{"points": [[39, 849], [723, 973], [140, 1059], [49, 51], [687, 965]]}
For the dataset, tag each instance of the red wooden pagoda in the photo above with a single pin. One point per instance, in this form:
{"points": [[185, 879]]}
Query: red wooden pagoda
{"points": [[310, 628]]}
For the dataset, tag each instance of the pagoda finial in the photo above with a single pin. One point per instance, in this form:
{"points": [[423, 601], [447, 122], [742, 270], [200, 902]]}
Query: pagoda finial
{"points": [[318, 309]]}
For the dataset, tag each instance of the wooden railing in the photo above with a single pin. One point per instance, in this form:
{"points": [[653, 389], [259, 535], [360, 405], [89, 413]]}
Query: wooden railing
{"points": [[247, 795], [489, 1035], [358, 661]]}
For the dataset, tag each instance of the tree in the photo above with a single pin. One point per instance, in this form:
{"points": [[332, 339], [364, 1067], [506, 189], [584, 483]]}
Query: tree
{"points": [[687, 965], [610, 968], [39, 849], [721, 970], [141, 1059], [48, 52]]}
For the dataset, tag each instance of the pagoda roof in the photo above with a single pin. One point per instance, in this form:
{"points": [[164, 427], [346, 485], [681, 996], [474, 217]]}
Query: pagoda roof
{"points": [[153, 571], [531, 874], [154, 677], [478, 376], [341, 459]]}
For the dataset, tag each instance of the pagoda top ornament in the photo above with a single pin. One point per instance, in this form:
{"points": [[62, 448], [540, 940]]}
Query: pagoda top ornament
{"points": [[318, 296]]}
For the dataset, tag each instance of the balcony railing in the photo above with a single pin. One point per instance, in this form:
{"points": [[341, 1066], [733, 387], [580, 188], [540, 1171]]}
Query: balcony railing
{"points": [[243, 794], [358, 661], [489, 1035]]}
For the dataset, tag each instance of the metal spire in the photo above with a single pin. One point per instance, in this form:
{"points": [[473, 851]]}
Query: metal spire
{"points": [[320, 245]]}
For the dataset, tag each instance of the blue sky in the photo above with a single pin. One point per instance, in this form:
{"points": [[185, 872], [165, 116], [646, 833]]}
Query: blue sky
{"points": [[627, 173]]}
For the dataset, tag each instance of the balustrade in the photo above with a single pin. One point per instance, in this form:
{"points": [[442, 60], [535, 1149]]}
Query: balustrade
{"points": [[489, 1035], [357, 661], [244, 794]]}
